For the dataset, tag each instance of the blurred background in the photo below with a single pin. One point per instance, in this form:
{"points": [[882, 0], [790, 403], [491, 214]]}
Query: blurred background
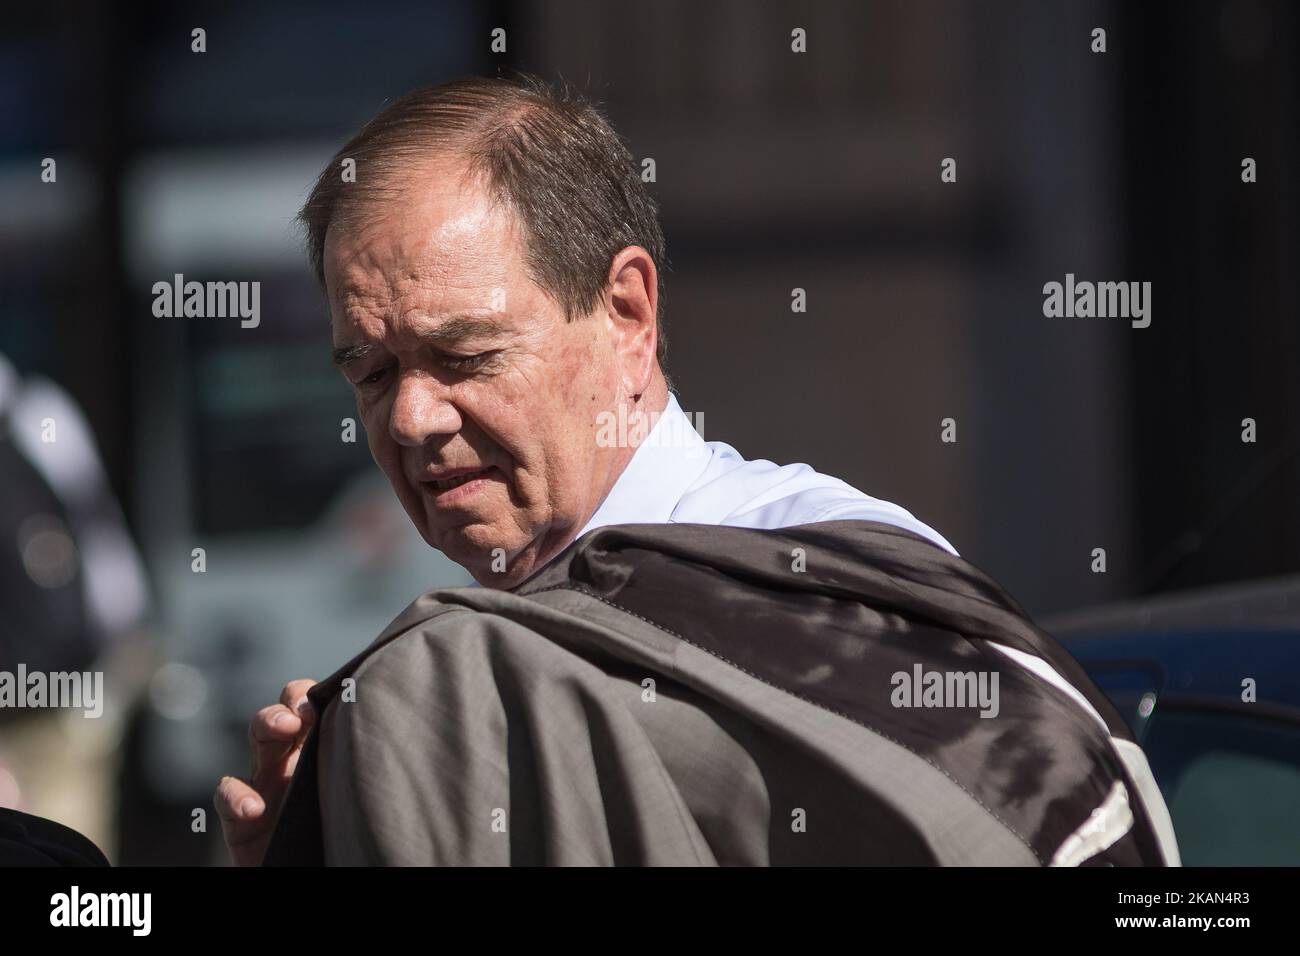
{"points": [[774, 171]]}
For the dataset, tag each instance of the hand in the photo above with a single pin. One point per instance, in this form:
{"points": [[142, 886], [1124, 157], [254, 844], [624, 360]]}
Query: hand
{"points": [[249, 809]]}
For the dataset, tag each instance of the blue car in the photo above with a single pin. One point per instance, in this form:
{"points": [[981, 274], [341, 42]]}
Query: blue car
{"points": [[1209, 682]]}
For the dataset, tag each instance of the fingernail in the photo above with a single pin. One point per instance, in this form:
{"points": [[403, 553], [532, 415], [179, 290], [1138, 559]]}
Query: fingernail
{"points": [[303, 706], [247, 807]]}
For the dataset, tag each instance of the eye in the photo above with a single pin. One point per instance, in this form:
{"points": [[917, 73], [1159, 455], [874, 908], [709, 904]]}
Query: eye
{"points": [[465, 363], [373, 378]]}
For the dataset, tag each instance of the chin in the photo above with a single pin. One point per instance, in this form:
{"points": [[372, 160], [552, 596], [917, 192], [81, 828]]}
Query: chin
{"points": [[470, 544]]}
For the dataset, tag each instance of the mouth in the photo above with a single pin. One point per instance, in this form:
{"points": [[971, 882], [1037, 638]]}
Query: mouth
{"points": [[446, 484], [457, 484]]}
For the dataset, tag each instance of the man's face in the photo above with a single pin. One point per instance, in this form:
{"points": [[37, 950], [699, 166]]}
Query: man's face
{"points": [[462, 365]]}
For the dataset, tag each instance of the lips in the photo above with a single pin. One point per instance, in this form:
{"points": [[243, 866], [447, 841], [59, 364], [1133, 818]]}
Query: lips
{"points": [[457, 477]]}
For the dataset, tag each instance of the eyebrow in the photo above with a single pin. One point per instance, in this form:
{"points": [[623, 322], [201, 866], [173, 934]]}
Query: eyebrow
{"points": [[453, 330], [352, 353], [461, 327]]}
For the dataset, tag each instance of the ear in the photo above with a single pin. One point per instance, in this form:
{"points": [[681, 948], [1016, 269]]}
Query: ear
{"points": [[631, 305]]}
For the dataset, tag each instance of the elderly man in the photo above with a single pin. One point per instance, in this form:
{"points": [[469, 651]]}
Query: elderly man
{"points": [[492, 263]]}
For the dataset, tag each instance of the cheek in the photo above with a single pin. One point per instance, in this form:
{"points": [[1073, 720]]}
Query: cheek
{"points": [[385, 451], [531, 428], [585, 384]]}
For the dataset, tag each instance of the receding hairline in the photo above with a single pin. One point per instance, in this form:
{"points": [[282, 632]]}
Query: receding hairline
{"points": [[405, 173], [504, 108], [365, 213], [546, 153]]}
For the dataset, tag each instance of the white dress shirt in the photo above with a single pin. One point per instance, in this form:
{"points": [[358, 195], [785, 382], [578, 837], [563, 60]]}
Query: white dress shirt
{"points": [[677, 477]]}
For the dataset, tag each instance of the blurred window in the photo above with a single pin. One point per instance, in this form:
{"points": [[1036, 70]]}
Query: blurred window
{"points": [[1232, 783]]}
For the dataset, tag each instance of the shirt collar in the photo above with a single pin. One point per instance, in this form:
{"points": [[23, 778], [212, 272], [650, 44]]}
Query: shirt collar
{"points": [[670, 459]]}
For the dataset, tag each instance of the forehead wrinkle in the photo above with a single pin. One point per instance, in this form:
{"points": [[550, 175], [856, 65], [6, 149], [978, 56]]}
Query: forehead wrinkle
{"points": [[361, 307], [409, 269]]}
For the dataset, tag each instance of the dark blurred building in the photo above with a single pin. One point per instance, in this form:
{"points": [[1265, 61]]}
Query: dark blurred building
{"points": [[776, 170]]}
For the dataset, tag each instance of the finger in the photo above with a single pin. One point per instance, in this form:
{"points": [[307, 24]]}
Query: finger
{"points": [[238, 805], [274, 724], [272, 734], [294, 697], [291, 762], [245, 824]]}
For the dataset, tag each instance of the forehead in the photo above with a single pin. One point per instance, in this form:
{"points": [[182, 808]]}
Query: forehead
{"points": [[437, 240]]}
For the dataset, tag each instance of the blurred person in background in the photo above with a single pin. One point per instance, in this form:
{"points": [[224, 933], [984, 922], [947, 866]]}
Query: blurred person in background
{"points": [[75, 599]]}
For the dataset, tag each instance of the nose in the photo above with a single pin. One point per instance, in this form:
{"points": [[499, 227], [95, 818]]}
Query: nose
{"points": [[421, 410]]}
